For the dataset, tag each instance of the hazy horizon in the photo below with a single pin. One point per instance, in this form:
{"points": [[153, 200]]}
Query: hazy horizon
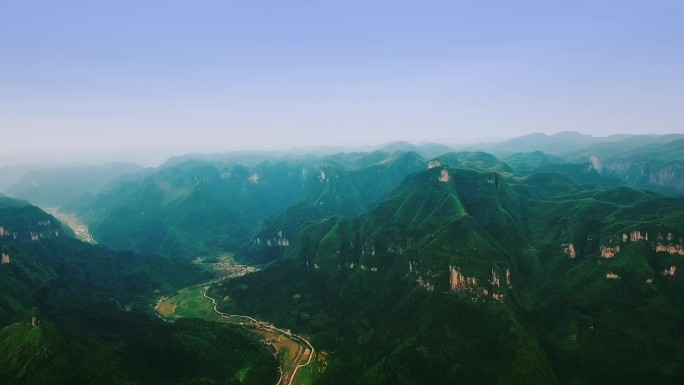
{"points": [[150, 156], [155, 79]]}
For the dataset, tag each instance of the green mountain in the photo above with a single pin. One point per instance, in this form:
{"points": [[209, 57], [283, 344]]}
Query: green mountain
{"points": [[195, 208], [582, 171], [569, 142], [644, 161], [228, 202], [474, 160], [426, 150], [524, 162], [42, 262], [345, 190], [186, 352], [74, 313], [647, 163], [192, 208], [473, 276], [657, 167], [22, 224]]}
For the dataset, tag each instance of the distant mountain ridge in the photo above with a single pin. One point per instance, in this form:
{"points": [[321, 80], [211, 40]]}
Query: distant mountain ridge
{"points": [[55, 187], [570, 141]]}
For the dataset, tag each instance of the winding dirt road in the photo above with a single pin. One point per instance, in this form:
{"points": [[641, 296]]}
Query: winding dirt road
{"points": [[305, 351], [305, 347]]}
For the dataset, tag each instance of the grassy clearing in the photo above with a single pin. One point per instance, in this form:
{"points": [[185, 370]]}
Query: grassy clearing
{"points": [[243, 373], [305, 376], [288, 351], [166, 308], [189, 303], [284, 354]]}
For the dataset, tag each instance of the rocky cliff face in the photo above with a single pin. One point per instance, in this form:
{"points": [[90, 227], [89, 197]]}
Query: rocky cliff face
{"points": [[444, 176], [665, 177], [596, 162], [669, 244], [44, 229], [663, 243], [670, 248], [434, 163], [278, 240], [478, 289], [569, 250], [609, 251]]}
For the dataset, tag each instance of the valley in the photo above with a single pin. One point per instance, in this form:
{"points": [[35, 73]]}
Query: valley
{"points": [[76, 225], [299, 361]]}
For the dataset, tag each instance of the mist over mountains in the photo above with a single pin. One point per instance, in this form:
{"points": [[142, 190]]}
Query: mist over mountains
{"points": [[541, 259]]}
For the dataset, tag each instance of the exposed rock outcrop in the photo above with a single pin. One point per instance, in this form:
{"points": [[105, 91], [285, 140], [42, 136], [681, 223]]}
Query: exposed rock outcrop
{"points": [[461, 283], [569, 249], [676, 248], [444, 176], [596, 162], [254, 178], [278, 240], [662, 244], [609, 251], [471, 286], [434, 163]]}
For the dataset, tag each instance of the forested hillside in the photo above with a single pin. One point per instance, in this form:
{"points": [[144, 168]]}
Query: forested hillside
{"points": [[71, 312], [471, 276], [530, 268]]}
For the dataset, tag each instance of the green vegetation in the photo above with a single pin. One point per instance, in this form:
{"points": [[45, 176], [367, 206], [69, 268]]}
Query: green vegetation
{"points": [[194, 208], [188, 351], [74, 313], [192, 303], [377, 290], [304, 376], [542, 269], [188, 303]]}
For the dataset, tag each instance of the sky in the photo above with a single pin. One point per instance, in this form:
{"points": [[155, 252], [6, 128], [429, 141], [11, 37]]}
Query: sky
{"points": [[96, 77]]}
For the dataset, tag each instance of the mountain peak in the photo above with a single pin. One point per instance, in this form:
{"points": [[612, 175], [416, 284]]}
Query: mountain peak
{"points": [[569, 134]]}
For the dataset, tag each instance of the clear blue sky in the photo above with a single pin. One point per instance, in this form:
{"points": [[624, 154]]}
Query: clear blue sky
{"points": [[220, 75]]}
